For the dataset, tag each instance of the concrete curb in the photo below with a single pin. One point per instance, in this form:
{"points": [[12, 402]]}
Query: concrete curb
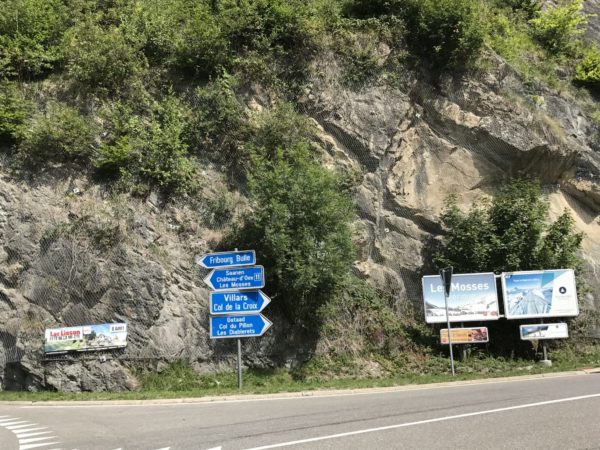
{"points": [[300, 394]]}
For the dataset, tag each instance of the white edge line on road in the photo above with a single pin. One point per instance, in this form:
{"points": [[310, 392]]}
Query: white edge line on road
{"points": [[421, 422]]}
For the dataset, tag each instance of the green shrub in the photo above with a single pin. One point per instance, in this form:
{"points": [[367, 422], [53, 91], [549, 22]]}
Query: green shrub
{"points": [[300, 226], [448, 33], [588, 70], [200, 46], [148, 149], [529, 7], [218, 126], [510, 233], [102, 59], [14, 111], [30, 34], [557, 28], [60, 134]]}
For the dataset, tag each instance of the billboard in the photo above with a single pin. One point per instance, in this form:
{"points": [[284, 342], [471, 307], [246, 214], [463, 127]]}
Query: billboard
{"points": [[465, 335], [540, 293], [472, 297], [85, 338], [544, 331]]}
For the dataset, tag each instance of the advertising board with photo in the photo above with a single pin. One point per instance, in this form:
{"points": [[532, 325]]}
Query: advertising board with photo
{"points": [[537, 331], [476, 335], [473, 297], [85, 338], [541, 293]]}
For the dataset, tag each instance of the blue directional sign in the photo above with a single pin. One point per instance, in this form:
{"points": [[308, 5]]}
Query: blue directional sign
{"points": [[238, 302], [227, 259], [250, 325], [252, 277]]}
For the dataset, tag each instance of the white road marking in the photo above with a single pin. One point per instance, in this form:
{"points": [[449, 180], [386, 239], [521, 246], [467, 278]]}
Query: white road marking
{"points": [[37, 439], [28, 446], [16, 427], [25, 431], [421, 422], [26, 435]]}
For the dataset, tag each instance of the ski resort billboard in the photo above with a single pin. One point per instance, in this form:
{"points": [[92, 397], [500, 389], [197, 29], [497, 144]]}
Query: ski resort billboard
{"points": [[85, 338], [473, 297], [541, 293]]}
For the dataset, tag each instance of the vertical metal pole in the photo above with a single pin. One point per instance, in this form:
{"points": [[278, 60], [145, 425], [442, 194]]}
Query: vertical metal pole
{"points": [[449, 332], [545, 350], [239, 363]]}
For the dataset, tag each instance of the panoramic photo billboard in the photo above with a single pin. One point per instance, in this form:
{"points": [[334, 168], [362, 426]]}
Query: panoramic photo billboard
{"points": [[85, 338], [472, 297], [537, 331], [540, 293]]}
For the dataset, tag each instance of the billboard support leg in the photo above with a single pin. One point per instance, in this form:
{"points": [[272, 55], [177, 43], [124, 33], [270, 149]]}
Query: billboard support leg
{"points": [[239, 363]]}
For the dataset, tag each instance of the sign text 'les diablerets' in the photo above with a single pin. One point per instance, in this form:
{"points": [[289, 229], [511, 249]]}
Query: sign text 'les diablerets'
{"points": [[250, 325], [228, 259], [238, 302], [252, 277]]}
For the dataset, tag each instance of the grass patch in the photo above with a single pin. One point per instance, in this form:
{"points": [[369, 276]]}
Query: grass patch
{"points": [[179, 380]]}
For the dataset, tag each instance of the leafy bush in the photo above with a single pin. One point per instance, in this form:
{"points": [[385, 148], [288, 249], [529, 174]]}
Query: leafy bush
{"points": [[510, 233], [30, 34], [529, 7], [449, 33], [14, 111], [557, 28], [148, 149], [102, 59], [60, 135], [588, 71], [200, 46], [300, 226], [217, 125]]}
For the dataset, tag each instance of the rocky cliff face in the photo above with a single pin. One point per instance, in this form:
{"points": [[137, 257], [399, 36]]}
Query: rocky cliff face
{"points": [[72, 254]]}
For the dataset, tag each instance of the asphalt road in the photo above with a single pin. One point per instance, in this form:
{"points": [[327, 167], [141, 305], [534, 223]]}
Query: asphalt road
{"points": [[543, 413]]}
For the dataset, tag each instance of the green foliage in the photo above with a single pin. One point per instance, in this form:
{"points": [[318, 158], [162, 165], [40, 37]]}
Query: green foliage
{"points": [[149, 149], [217, 125], [60, 134], [557, 28], [528, 7], [201, 46], [102, 59], [30, 33], [14, 111], [588, 71], [510, 233], [300, 226], [449, 33], [359, 322], [177, 376]]}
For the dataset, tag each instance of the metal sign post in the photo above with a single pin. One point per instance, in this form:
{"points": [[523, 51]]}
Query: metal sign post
{"points": [[446, 275], [239, 363]]}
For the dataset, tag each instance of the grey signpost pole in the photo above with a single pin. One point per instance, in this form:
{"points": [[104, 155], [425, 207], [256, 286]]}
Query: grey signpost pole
{"points": [[446, 275], [239, 363]]}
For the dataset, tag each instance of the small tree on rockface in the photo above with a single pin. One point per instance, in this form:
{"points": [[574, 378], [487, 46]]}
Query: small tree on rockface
{"points": [[300, 223], [510, 232]]}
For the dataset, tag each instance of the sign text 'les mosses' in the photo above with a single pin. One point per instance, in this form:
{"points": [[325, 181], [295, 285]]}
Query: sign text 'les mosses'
{"points": [[251, 277], [461, 287]]}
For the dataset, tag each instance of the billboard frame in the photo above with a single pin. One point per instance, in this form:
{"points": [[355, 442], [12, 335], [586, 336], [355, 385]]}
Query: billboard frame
{"points": [[505, 298], [456, 279]]}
